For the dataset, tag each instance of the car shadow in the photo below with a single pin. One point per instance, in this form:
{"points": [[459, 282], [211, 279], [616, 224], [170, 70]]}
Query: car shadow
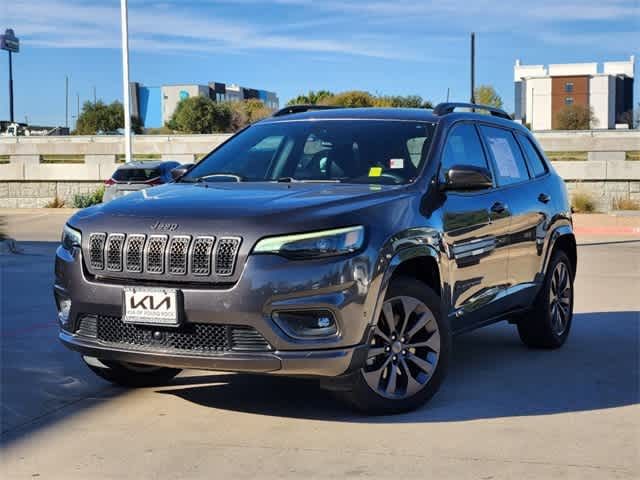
{"points": [[491, 375]]}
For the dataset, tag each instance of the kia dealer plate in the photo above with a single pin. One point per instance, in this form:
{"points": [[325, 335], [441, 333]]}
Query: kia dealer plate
{"points": [[151, 306]]}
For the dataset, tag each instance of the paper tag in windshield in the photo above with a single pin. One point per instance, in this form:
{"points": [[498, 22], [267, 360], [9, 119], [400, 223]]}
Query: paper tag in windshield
{"points": [[395, 163]]}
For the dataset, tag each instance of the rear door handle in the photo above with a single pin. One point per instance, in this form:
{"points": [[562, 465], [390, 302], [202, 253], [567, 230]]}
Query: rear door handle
{"points": [[498, 207], [544, 198]]}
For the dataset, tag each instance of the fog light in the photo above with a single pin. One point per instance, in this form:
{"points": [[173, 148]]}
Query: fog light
{"points": [[306, 323], [64, 308]]}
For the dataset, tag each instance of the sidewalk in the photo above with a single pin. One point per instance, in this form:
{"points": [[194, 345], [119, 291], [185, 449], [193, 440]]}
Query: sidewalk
{"points": [[604, 224]]}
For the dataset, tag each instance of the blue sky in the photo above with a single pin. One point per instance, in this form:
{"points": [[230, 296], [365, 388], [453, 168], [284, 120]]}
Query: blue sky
{"points": [[292, 46]]}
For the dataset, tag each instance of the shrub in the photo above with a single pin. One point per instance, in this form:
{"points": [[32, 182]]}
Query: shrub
{"points": [[576, 117], [57, 202], [625, 204], [84, 200], [582, 202], [3, 229]]}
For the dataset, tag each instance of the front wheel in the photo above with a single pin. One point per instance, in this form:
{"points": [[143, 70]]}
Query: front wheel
{"points": [[131, 374], [408, 352]]}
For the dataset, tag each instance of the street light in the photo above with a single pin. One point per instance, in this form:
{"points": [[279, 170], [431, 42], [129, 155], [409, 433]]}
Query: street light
{"points": [[125, 79], [11, 44]]}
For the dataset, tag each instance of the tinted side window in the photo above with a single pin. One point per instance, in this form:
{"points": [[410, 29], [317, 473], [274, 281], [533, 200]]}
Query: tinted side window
{"points": [[463, 147], [536, 164], [507, 157]]}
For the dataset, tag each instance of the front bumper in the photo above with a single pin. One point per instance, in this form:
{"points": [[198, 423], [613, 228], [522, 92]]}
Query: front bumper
{"points": [[268, 283], [324, 363]]}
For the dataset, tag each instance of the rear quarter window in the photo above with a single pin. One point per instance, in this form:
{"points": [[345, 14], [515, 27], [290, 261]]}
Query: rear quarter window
{"points": [[507, 158], [534, 160]]}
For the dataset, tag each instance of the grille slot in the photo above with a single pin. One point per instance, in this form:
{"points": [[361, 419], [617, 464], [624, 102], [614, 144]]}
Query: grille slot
{"points": [[154, 254], [226, 252], [88, 326], [96, 250], [201, 255], [248, 339], [177, 255], [197, 337], [133, 250], [113, 252]]}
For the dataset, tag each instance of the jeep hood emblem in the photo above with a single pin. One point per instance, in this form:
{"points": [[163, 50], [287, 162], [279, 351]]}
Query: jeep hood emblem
{"points": [[164, 227]]}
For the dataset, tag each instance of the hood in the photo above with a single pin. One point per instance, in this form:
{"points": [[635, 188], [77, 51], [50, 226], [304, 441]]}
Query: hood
{"points": [[233, 206]]}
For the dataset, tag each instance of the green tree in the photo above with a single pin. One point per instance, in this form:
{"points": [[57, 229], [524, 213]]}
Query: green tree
{"points": [[576, 117], [311, 98], [399, 101], [352, 99], [200, 115], [256, 110], [99, 117], [487, 95]]}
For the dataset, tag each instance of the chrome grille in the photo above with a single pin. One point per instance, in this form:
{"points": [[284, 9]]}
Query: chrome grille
{"points": [[113, 251], [201, 255], [133, 250], [96, 250], [226, 252], [177, 254], [137, 253], [154, 254]]}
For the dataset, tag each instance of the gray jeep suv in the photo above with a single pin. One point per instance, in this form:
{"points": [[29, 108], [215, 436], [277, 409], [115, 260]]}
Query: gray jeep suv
{"points": [[348, 245]]}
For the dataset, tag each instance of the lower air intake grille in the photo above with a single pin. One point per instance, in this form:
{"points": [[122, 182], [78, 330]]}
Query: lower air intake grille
{"points": [[195, 337]]}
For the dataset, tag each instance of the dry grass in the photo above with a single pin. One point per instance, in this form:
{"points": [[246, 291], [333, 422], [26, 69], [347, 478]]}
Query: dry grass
{"points": [[566, 156], [625, 204], [3, 229], [633, 156], [57, 202], [62, 158], [139, 157], [582, 202]]}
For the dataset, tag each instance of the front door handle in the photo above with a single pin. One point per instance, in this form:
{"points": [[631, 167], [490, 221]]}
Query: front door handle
{"points": [[544, 198], [498, 207]]}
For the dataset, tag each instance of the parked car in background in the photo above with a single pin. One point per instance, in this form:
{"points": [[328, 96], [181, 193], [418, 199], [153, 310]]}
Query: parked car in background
{"points": [[135, 176]]}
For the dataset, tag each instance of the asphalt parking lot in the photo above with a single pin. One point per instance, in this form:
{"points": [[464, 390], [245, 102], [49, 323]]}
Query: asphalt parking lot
{"points": [[503, 412]]}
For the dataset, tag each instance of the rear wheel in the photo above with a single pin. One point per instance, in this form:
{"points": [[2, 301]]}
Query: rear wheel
{"points": [[549, 323], [131, 374], [408, 352]]}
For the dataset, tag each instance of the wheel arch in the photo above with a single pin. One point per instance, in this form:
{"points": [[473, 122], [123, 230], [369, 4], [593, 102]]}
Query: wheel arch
{"points": [[563, 238]]}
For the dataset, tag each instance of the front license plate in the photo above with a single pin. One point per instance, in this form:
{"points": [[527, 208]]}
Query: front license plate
{"points": [[151, 306]]}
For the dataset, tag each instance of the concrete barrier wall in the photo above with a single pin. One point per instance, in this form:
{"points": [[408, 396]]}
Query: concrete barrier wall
{"points": [[25, 181]]}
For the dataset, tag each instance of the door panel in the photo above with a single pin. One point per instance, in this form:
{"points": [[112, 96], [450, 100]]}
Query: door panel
{"points": [[476, 229]]}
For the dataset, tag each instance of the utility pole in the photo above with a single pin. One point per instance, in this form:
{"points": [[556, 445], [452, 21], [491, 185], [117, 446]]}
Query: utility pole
{"points": [[94, 95], [448, 94], [66, 101], [125, 79], [473, 67]]}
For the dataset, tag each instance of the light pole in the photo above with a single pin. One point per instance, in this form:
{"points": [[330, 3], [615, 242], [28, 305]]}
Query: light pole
{"points": [[125, 79], [10, 43]]}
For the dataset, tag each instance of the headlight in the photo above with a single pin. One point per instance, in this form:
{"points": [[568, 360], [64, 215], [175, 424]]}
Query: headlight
{"points": [[316, 244], [70, 238]]}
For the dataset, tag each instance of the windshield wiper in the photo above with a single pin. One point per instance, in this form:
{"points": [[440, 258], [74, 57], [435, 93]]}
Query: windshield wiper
{"points": [[204, 178], [296, 180]]}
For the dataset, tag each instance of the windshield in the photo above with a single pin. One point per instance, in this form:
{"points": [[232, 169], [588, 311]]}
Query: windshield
{"points": [[350, 151]]}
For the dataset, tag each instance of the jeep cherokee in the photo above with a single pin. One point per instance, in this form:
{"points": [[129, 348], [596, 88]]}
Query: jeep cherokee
{"points": [[348, 245]]}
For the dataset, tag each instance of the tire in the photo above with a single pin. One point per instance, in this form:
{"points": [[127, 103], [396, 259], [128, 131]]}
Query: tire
{"points": [[131, 375], [540, 327], [367, 390]]}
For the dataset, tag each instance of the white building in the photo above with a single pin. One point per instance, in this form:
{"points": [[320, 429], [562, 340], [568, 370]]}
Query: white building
{"points": [[541, 92]]}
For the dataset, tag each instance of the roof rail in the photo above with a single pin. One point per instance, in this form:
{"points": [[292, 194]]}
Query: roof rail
{"points": [[444, 108], [301, 108]]}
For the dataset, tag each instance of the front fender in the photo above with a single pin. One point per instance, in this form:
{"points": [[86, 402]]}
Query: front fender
{"points": [[408, 245]]}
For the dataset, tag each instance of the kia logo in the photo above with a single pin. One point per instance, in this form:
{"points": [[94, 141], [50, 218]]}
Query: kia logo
{"points": [[164, 227], [148, 303]]}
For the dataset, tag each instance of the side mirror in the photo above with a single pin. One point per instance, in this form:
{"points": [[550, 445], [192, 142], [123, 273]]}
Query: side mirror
{"points": [[178, 172], [467, 177]]}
